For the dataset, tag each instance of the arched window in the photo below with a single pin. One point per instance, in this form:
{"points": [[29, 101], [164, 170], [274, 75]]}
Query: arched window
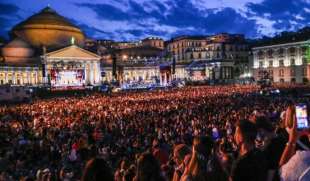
{"points": [[281, 52], [293, 72], [281, 62], [292, 61], [292, 51], [281, 73]]}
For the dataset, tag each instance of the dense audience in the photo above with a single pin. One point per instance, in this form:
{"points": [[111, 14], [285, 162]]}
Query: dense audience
{"points": [[194, 133]]}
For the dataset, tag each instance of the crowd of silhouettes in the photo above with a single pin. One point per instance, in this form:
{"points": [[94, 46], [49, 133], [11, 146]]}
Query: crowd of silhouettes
{"points": [[203, 133]]}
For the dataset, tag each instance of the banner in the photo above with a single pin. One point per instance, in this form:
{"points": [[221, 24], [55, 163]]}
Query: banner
{"points": [[308, 52], [64, 78]]}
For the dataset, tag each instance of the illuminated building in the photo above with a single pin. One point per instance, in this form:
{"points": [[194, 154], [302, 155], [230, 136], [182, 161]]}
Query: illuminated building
{"points": [[221, 57], [20, 65], [153, 42], [71, 66], [44, 51], [178, 46], [135, 64], [282, 63]]}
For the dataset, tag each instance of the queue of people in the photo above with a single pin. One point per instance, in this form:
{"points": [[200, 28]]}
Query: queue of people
{"points": [[190, 134]]}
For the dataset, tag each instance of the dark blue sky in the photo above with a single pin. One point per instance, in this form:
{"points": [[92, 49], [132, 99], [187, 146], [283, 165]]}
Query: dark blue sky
{"points": [[136, 19]]}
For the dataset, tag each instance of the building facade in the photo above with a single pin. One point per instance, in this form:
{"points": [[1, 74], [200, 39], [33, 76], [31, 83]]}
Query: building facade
{"points": [[154, 42], [71, 67], [221, 54], [36, 54], [177, 47], [46, 49], [282, 63], [20, 75]]}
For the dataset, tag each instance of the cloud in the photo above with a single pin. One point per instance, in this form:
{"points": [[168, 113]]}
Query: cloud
{"points": [[136, 19], [175, 17], [285, 14], [107, 11], [8, 17], [91, 31], [228, 20]]}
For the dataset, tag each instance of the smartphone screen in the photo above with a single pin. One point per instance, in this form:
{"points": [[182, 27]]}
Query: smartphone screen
{"points": [[302, 116]]}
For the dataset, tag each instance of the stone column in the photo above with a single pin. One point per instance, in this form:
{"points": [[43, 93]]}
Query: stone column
{"points": [[93, 73], [5, 77], [286, 56], [13, 77]]}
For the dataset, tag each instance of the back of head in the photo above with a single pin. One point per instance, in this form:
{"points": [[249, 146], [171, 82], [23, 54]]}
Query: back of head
{"points": [[97, 169], [248, 131], [264, 124], [203, 145], [148, 168]]}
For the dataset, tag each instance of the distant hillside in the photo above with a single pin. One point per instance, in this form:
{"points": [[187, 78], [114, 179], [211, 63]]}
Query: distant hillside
{"points": [[284, 37]]}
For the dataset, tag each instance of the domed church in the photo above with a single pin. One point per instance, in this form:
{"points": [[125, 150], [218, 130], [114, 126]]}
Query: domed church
{"points": [[47, 28], [46, 49]]}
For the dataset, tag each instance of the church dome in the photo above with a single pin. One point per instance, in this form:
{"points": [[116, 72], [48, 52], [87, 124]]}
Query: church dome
{"points": [[48, 28], [18, 52], [17, 48]]}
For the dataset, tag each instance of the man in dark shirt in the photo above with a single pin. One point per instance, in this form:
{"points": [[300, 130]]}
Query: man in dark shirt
{"points": [[251, 164], [273, 145]]}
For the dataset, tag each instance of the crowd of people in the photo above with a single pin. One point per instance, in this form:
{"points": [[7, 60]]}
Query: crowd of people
{"points": [[193, 133]]}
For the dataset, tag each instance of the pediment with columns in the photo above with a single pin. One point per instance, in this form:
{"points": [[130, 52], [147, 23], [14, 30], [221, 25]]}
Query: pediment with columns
{"points": [[71, 53]]}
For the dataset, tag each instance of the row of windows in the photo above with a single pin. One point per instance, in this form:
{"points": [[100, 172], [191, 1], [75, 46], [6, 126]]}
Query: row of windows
{"points": [[218, 48], [292, 72], [272, 53], [18, 81], [293, 80], [18, 75], [185, 44], [281, 62]]}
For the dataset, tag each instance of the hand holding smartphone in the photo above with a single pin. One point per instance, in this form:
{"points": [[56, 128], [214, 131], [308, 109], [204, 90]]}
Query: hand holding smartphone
{"points": [[302, 116]]}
